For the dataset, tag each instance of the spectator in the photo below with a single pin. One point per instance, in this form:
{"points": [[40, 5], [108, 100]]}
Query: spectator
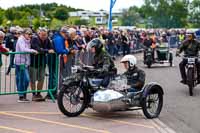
{"points": [[125, 44], [11, 41], [2, 49], [72, 44], [42, 44], [61, 45], [111, 44], [22, 62]]}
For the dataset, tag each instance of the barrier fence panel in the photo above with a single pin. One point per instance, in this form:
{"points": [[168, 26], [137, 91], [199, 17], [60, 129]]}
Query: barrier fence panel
{"points": [[23, 72]]}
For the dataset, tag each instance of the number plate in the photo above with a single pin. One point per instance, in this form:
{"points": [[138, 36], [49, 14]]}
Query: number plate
{"points": [[74, 69], [191, 60]]}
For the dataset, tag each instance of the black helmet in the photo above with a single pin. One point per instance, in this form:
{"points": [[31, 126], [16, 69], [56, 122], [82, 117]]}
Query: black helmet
{"points": [[95, 43]]}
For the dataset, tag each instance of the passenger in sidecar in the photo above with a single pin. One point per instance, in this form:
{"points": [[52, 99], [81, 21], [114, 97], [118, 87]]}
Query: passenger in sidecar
{"points": [[135, 76], [162, 51]]}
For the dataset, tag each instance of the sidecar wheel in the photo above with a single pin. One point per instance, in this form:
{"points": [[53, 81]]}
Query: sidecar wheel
{"points": [[152, 104], [72, 100]]}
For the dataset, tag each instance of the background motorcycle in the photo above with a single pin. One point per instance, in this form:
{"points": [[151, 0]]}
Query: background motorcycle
{"points": [[164, 55], [191, 72]]}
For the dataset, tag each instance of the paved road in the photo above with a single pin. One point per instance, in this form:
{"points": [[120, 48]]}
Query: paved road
{"points": [[181, 111], [45, 117]]}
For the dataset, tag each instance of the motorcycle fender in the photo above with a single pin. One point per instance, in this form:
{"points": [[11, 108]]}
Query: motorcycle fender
{"points": [[190, 66], [149, 54], [148, 59], [70, 79], [153, 86]]}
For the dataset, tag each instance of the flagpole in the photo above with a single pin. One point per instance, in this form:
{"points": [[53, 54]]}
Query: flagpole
{"points": [[40, 14], [112, 3]]}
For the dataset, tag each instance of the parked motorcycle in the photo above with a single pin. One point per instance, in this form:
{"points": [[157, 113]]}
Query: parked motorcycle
{"points": [[83, 90]]}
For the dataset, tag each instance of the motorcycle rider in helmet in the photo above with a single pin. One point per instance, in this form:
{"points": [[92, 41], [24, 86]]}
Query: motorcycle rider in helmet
{"points": [[102, 61], [191, 47], [148, 42], [135, 76]]}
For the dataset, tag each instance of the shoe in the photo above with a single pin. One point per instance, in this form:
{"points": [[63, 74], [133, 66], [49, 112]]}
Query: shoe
{"points": [[7, 73], [26, 100], [39, 98], [34, 97], [183, 81], [114, 58], [49, 97], [23, 100]]}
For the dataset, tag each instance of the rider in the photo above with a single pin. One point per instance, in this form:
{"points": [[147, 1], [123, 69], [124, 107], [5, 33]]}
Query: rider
{"points": [[135, 76], [191, 47], [148, 42], [102, 61]]}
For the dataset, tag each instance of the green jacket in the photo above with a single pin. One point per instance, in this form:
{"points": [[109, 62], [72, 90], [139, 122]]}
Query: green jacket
{"points": [[103, 61], [190, 48]]}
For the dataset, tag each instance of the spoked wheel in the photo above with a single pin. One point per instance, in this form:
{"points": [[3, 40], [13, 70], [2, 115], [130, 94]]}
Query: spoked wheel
{"points": [[72, 100], [152, 104]]}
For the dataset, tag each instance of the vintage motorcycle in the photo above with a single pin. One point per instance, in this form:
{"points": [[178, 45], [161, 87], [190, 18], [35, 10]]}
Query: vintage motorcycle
{"points": [[164, 55], [84, 90], [191, 72]]}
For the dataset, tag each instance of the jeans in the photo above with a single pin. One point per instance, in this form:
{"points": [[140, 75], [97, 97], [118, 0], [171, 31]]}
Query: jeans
{"points": [[11, 65], [111, 49], [126, 49], [22, 79]]}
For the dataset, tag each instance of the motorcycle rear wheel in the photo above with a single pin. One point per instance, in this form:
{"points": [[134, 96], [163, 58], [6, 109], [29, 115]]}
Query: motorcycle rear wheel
{"points": [[76, 97]]}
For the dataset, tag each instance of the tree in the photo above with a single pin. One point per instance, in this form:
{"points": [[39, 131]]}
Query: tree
{"points": [[165, 13], [179, 12], [1, 16], [61, 13], [194, 16], [10, 14], [81, 22], [130, 17]]}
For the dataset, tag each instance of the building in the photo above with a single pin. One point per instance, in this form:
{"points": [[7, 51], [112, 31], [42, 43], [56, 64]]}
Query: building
{"points": [[99, 18]]}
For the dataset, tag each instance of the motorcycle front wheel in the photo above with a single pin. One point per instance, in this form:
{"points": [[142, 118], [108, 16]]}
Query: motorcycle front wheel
{"points": [[72, 100], [152, 104], [148, 61], [190, 80]]}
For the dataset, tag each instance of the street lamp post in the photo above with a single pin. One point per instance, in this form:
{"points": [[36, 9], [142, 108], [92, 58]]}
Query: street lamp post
{"points": [[30, 18], [112, 3]]}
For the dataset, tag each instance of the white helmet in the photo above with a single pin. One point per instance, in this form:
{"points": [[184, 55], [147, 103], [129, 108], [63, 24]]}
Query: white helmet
{"points": [[189, 31], [129, 58]]}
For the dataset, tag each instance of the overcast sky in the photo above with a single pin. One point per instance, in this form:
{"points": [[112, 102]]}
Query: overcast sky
{"points": [[93, 5]]}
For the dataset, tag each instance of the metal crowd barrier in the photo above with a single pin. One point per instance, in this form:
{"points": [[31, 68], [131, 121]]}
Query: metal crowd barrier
{"points": [[41, 65]]}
